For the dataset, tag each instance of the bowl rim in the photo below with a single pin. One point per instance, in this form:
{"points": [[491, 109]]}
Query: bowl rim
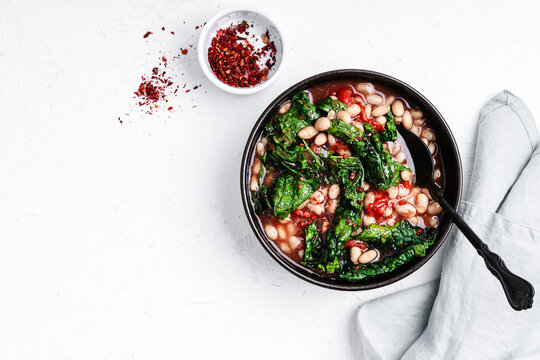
{"points": [[271, 248], [202, 52]]}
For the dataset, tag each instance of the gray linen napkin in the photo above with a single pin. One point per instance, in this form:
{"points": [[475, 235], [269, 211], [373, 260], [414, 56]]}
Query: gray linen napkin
{"points": [[465, 315]]}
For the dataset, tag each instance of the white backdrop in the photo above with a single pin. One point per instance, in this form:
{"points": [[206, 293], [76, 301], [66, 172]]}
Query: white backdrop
{"points": [[129, 241]]}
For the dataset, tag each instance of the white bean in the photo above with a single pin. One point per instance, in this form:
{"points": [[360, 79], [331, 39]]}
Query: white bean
{"points": [[271, 232], [403, 191], [432, 221], [333, 97], [436, 174], [307, 133], [367, 110], [285, 107], [364, 88], [368, 220], [387, 212], [320, 139], [374, 99], [396, 149], [381, 120], [432, 148], [397, 108], [422, 203], [331, 114], [260, 148], [400, 158], [365, 186], [344, 116], [398, 120], [406, 210], [332, 206], [419, 122], [254, 184], [368, 256], [317, 197], [434, 208], [256, 168], [392, 192], [334, 191], [354, 109], [282, 233], [301, 254], [316, 208], [380, 110], [406, 175], [368, 199], [407, 120], [331, 140], [413, 220], [294, 241], [417, 114], [390, 100], [425, 141], [358, 125], [390, 222], [426, 192], [304, 204], [323, 123], [428, 134], [355, 254], [416, 130], [285, 247]]}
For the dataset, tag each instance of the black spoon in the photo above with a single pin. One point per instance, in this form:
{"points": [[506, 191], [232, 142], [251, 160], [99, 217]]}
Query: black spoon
{"points": [[519, 291]]}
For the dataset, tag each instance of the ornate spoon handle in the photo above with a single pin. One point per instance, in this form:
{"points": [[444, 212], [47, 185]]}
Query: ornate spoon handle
{"points": [[519, 291]]}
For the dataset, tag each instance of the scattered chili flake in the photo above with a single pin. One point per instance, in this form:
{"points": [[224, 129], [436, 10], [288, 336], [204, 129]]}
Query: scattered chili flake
{"points": [[184, 51], [170, 108], [172, 32], [163, 28], [147, 34]]}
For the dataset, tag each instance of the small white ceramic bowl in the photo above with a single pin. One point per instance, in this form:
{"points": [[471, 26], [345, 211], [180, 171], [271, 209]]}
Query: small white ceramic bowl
{"points": [[261, 23]]}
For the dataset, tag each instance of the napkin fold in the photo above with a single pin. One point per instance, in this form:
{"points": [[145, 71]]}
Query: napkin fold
{"points": [[465, 315]]}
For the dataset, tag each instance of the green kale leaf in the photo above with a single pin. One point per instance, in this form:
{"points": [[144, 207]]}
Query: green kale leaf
{"points": [[402, 233], [328, 104], [346, 221], [349, 173], [289, 191], [313, 248]]}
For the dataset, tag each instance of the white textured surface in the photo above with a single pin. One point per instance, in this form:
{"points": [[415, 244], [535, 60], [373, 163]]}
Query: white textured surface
{"points": [[129, 241]]}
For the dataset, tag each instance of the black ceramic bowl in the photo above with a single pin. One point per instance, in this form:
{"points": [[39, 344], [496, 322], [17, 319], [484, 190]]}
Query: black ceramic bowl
{"points": [[449, 156]]}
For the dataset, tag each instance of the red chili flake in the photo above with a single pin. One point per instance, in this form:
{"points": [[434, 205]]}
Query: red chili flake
{"points": [[235, 61], [196, 27], [172, 32], [170, 108], [352, 175], [155, 71], [121, 122], [356, 243], [147, 34], [163, 28], [184, 51], [188, 90], [164, 59]]}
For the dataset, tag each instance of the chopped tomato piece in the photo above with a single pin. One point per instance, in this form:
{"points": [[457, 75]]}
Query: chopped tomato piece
{"points": [[344, 95]]}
